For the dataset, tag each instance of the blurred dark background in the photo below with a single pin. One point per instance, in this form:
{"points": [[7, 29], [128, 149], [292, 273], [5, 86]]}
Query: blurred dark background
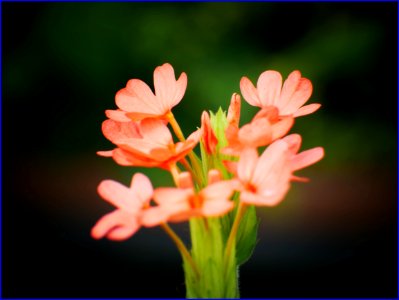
{"points": [[62, 65]]}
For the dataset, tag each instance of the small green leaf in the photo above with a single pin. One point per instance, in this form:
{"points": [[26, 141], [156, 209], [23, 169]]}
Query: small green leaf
{"points": [[247, 235]]}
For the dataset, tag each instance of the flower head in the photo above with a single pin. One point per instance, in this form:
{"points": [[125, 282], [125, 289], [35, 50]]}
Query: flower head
{"points": [[136, 101], [264, 180], [148, 143], [265, 127], [130, 202], [287, 98], [182, 203]]}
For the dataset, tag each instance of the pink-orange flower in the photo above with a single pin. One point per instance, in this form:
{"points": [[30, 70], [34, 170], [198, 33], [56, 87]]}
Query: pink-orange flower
{"points": [[266, 127], [264, 180], [209, 138], [303, 159], [147, 143], [288, 98], [130, 202], [136, 101], [182, 203]]}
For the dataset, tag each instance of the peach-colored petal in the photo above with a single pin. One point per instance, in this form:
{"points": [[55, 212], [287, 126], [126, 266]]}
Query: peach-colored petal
{"points": [[138, 97], [280, 128], [137, 116], [299, 98], [233, 114], [108, 153], [125, 158], [164, 83], [307, 158], [289, 87], [270, 163], [268, 112], [307, 109], [214, 175], [167, 89], [294, 142], [154, 216], [218, 191], [171, 196], [119, 195], [272, 198], [142, 187], [209, 138], [115, 131], [156, 131], [269, 87], [181, 85], [255, 134], [185, 181], [249, 92], [216, 208], [117, 115], [115, 220], [247, 164]]}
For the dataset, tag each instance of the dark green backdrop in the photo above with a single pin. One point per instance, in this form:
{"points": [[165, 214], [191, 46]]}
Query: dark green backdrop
{"points": [[62, 65]]}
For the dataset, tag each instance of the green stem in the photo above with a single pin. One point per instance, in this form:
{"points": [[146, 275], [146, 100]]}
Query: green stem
{"points": [[234, 229], [180, 245]]}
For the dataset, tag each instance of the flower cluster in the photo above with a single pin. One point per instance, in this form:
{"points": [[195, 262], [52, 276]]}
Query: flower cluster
{"points": [[230, 162]]}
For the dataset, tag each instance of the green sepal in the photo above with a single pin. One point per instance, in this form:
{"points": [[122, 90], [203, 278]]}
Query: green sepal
{"points": [[247, 235]]}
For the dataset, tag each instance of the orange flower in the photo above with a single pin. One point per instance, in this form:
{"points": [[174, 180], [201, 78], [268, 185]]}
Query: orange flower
{"points": [[130, 202], [265, 127], [303, 159], [148, 143], [264, 180], [287, 98], [182, 203], [136, 101], [210, 140]]}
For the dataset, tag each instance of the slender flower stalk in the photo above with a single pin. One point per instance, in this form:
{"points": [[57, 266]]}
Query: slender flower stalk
{"points": [[234, 229], [180, 245]]}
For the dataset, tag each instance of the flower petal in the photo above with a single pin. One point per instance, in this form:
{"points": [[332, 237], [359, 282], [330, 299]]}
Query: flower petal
{"points": [[168, 196], [154, 216], [270, 163], [216, 208], [138, 97], [281, 128], [274, 197], [255, 134], [294, 142], [117, 115], [180, 89], [233, 114], [269, 87], [221, 190], [289, 87], [299, 98], [114, 220], [119, 195], [247, 164], [156, 131], [142, 186], [307, 109], [249, 92], [116, 131], [307, 158], [209, 138]]}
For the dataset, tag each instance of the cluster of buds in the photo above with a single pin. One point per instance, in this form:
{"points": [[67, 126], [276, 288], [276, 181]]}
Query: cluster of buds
{"points": [[229, 163]]}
